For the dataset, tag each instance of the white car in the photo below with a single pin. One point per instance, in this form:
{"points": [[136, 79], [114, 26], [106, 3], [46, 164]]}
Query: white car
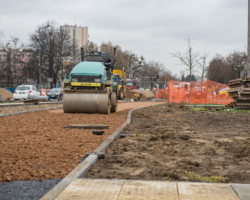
{"points": [[26, 91]]}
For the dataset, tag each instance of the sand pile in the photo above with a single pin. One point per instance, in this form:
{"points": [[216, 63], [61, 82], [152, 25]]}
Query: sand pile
{"points": [[6, 95]]}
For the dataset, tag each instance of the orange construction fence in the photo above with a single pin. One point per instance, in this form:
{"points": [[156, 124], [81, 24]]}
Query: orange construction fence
{"points": [[206, 92]]}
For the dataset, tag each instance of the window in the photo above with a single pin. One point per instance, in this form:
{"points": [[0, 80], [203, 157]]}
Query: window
{"points": [[34, 88], [18, 62], [23, 87]]}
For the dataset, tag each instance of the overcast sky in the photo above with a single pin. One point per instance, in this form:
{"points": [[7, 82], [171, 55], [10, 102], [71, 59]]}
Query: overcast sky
{"points": [[152, 28]]}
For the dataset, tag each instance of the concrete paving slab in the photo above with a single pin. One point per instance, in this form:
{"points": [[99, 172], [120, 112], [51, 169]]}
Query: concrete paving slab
{"points": [[111, 189], [80, 171], [144, 190], [206, 191], [242, 190], [94, 189]]}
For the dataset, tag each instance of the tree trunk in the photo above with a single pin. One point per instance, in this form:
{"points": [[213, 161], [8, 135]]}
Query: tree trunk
{"points": [[190, 80]]}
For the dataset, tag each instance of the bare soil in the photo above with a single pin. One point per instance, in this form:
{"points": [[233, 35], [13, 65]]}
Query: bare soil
{"points": [[39, 146], [173, 142], [145, 94], [6, 95]]}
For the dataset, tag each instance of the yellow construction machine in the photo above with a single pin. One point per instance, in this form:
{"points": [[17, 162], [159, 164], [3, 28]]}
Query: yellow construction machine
{"points": [[121, 83]]}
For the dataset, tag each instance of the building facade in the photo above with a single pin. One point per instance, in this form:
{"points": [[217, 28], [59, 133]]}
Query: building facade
{"points": [[12, 63], [79, 37]]}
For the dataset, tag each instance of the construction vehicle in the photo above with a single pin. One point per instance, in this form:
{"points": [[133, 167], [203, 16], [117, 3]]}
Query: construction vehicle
{"points": [[121, 83], [132, 84], [91, 87]]}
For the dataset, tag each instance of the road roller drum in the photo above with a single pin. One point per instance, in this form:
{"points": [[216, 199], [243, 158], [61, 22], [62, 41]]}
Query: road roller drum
{"points": [[86, 103]]}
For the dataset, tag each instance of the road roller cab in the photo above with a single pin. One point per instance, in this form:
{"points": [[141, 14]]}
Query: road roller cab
{"points": [[88, 74], [91, 87]]}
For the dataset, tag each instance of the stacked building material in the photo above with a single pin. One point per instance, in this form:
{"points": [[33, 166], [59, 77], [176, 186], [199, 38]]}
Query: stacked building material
{"points": [[240, 92]]}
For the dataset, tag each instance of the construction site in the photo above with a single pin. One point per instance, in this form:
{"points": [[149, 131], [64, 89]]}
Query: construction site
{"points": [[103, 137], [127, 142], [166, 142]]}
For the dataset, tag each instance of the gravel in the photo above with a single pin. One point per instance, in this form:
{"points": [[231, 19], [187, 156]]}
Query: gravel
{"points": [[26, 190]]}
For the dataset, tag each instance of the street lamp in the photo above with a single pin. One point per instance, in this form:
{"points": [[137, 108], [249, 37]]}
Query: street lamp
{"points": [[39, 71]]}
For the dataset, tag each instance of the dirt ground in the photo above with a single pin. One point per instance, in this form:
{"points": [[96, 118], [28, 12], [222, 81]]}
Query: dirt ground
{"points": [[38, 145], [6, 94], [173, 142], [145, 95]]}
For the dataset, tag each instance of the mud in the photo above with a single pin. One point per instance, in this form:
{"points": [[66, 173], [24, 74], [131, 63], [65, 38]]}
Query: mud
{"points": [[173, 142], [36, 146]]}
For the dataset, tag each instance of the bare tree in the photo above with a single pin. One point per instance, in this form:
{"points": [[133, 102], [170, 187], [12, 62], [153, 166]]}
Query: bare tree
{"points": [[92, 46], [135, 65], [10, 71], [218, 70], [189, 59], [237, 62], [56, 49], [223, 70], [202, 63], [1, 36], [31, 68]]}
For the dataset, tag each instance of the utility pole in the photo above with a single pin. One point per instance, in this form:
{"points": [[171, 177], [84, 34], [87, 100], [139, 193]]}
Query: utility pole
{"points": [[248, 42], [39, 71]]}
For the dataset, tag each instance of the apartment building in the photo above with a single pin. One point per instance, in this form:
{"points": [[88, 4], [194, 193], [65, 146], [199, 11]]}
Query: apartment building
{"points": [[79, 37], [17, 59]]}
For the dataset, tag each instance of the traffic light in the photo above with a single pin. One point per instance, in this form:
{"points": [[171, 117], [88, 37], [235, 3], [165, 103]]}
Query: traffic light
{"points": [[157, 76]]}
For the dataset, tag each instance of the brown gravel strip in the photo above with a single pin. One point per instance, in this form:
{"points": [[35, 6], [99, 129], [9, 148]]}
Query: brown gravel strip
{"points": [[38, 145]]}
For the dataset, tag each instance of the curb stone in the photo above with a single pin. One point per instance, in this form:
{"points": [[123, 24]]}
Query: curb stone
{"points": [[82, 169], [30, 111], [27, 104]]}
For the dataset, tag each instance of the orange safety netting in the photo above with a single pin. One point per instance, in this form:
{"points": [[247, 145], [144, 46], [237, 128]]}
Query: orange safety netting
{"points": [[206, 92]]}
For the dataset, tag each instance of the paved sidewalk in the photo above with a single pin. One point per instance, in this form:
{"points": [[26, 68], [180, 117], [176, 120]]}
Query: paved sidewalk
{"points": [[104, 189]]}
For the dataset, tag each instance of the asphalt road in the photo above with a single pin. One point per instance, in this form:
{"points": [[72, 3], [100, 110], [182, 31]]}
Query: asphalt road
{"points": [[25, 190]]}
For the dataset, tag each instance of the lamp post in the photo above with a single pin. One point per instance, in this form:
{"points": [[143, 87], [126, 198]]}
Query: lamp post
{"points": [[39, 71]]}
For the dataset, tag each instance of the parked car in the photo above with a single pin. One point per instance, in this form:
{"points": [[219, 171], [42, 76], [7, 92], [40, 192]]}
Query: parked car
{"points": [[55, 93], [26, 91]]}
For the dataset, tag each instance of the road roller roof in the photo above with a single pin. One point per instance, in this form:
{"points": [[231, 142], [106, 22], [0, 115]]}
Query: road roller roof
{"points": [[89, 68]]}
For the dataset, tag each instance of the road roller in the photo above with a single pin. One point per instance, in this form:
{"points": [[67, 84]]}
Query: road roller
{"points": [[91, 86]]}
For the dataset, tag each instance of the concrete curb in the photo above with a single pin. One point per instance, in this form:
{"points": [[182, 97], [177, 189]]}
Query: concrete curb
{"points": [[82, 169], [27, 104], [242, 190], [200, 105], [79, 171], [30, 111], [102, 148]]}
